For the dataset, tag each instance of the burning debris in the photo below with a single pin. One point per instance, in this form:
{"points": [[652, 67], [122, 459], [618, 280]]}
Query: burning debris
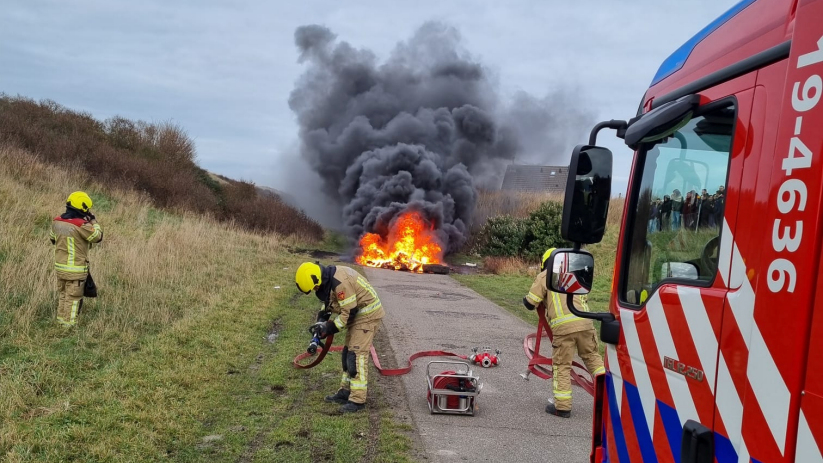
{"points": [[401, 145], [410, 245]]}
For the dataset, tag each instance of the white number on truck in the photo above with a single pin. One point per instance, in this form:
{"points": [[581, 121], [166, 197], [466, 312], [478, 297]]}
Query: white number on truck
{"points": [[787, 236]]}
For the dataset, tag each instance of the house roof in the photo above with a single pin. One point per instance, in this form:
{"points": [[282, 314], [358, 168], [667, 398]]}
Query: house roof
{"points": [[535, 178]]}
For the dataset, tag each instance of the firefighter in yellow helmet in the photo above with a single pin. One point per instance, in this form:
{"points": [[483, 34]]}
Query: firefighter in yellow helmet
{"points": [[349, 295], [72, 235], [569, 333]]}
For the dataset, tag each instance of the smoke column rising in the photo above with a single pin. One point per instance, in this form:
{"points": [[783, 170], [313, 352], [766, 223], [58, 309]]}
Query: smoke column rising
{"points": [[414, 132]]}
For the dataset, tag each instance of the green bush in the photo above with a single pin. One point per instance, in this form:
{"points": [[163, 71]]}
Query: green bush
{"points": [[543, 230], [502, 236], [506, 236]]}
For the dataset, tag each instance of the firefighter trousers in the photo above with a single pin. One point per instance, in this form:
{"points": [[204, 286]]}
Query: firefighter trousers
{"points": [[356, 360], [70, 301], [563, 348]]}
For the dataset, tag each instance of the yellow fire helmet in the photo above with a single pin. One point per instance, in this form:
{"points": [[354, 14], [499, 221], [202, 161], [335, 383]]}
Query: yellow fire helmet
{"points": [[546, 257], [79, 200], [307, 277]]}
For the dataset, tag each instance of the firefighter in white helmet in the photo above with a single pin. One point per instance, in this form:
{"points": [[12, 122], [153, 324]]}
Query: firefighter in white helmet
{"points": [[569, 333], [349, 295], [72, 235]]}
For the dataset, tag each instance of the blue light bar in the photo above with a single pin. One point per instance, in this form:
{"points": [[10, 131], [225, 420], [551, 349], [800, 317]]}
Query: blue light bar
{"points": [[677, 59]]}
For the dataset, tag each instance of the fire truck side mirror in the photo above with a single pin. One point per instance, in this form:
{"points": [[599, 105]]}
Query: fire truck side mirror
{"points": [[588, 190], [571, 272]]}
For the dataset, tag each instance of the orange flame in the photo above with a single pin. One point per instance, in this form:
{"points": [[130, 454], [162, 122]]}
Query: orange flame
{"points": [[411, 244]]}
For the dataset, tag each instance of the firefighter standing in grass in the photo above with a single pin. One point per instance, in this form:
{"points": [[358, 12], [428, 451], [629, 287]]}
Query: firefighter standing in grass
{"points": [[72, 235], [348, 294], [569, 333]]}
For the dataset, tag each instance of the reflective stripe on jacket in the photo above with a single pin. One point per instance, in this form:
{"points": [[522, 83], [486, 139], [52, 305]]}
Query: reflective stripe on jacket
{"points": [[560, 318], [72, 240], [353, 298]]}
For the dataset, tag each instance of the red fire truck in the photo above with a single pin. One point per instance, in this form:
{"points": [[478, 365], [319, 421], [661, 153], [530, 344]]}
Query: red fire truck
{"points": [[713, 340]]}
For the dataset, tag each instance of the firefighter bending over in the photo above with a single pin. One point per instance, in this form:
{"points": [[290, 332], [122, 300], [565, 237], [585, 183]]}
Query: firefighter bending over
{"points": [[72, 235], [348, 294], [569, 332]]}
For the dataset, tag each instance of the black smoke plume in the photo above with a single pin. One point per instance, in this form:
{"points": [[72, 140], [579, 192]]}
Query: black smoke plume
{"points": [[414, 132]]}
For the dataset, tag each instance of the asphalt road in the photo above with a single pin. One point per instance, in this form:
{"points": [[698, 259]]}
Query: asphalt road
{"points": [[434, 312]]}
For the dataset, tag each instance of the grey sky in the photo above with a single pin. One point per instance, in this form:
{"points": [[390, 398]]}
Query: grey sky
{"points": [[224, 70]]}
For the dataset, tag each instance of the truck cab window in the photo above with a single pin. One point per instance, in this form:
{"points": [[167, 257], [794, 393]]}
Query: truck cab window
{"points": [[679, 198]]}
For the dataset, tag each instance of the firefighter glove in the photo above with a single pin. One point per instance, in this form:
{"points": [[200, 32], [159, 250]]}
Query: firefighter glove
{"points": [[328, 328], [317, 328], [323, 316]]}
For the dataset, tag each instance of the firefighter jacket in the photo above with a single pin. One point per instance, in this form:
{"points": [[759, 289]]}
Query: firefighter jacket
{"points": [[353, 298], [72, 239], [560, 318]]}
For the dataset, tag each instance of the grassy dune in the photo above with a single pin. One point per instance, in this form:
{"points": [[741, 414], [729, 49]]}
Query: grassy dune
{"points": [[184, 356], [157, 159]]}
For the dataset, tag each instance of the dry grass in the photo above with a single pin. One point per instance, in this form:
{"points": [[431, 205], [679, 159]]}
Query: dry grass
{"points": [[615, 217], [510, 266], [155, 260], [174, 348], [155, 271]]}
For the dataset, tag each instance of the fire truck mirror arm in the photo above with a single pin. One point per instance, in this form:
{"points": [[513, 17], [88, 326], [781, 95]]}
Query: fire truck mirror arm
{"points": [[600, 316], [609, 325], [618, 125], [661, 122]]}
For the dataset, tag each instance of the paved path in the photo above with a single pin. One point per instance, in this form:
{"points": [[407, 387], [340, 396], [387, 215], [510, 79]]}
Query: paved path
{"points": [[434, 312]]}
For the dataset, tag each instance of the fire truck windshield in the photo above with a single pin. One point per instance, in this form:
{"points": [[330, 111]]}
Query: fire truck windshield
{"points": [[678, 203]]}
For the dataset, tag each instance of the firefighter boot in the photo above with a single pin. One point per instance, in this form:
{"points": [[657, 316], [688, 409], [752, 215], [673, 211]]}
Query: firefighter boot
{"points": [[351, 407], [561, 413], [339, 397]]}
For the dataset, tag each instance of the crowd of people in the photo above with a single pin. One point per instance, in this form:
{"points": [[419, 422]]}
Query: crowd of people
{"points": [[693, 212]]}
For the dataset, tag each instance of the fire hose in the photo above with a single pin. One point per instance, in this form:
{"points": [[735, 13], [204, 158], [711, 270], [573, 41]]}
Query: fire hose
{"points": [[327, 347], [540, 365]]}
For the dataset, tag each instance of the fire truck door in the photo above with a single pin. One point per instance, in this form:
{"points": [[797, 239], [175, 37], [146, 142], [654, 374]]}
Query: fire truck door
{"points": [[673, 283]]}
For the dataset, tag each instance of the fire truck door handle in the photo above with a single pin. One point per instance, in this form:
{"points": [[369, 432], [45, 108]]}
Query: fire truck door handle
{"points": [[697, 445]]}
